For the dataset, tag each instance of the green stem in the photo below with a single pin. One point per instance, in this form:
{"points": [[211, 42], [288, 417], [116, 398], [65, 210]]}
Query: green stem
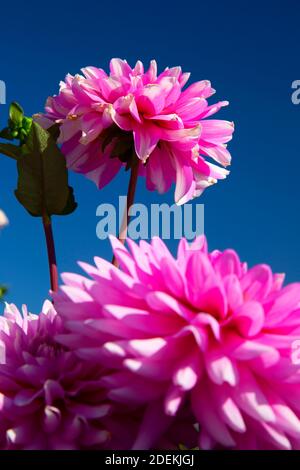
{"points": [[129, 201]]}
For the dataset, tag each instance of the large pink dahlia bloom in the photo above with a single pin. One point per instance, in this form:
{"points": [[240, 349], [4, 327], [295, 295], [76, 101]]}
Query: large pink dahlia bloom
{"points": [[131, 113], [200, 330], [48, 398]]}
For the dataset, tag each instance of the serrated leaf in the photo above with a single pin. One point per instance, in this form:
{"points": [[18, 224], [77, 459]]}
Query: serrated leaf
{"points": [[16, 114], [42, 176], [10, 150]]}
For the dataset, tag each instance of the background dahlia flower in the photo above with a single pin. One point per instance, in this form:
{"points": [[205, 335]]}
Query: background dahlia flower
{"points": [[107, 121], [3, 220], [48, 398], [200, 330]]}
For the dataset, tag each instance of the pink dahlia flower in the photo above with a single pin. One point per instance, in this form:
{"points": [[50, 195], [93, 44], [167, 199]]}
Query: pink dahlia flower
{"points": [[131, 113], [200, 330], [48, 398]]}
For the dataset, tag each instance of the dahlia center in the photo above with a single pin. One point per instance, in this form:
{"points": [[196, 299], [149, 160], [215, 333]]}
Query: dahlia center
{"points": [[122, 144]]}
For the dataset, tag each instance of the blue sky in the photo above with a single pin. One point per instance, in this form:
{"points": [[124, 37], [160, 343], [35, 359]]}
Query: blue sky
{"points": [[249, 52]]}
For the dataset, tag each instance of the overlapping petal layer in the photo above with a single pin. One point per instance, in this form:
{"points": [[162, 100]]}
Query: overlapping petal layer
{"points": [[200, 330]]}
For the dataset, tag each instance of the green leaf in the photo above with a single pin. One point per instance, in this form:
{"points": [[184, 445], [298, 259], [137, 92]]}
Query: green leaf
{"points": [[43, 176], [6, 134], [71, 203], [54, 131], [10, 150], [16, 114]]}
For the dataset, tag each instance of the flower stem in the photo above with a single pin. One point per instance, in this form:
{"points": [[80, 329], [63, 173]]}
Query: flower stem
{"points": [[129, 201], [51, 252]]}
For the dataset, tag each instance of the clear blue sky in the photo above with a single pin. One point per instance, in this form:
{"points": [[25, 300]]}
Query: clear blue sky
{"points": [[250, 52]]}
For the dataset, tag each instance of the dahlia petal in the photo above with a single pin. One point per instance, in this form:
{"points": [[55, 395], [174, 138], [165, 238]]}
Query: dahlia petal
{"points": [[170, 121], [93, 73], [221, 369], [112, 88], [173, 400], [109, 326], [172, 276], [186, 375], [123, 256], [202, 319], [220, 153], [244, 350], [25, 397], [231, 413], [152, 71], [120, 312], [83, 91], [147, 347], [257, 282], [53, 391], [149, 368], [216, 132], [96, 437], [127, 104], [206, 442], [75, 294], [139, 68], [209, 419], [158, 175], [91, 127], [160, 250], [154, 424], [185, 184], [136, 319], [213, 109], [284, 302], [119, 68], [183, 79], [191, 108], [233, 291], [74, 280], [276, 437], [228, 263], [189, 135], [93, 412], [251, 399], [52, 419], [67, 130], [139, 257], [151, 100], [199, 89], [249, 318], [114, 349], [105, 172], [286, 418], [17, 435], [139, 395], [146, 138], [172, 90], [162, 301]]}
